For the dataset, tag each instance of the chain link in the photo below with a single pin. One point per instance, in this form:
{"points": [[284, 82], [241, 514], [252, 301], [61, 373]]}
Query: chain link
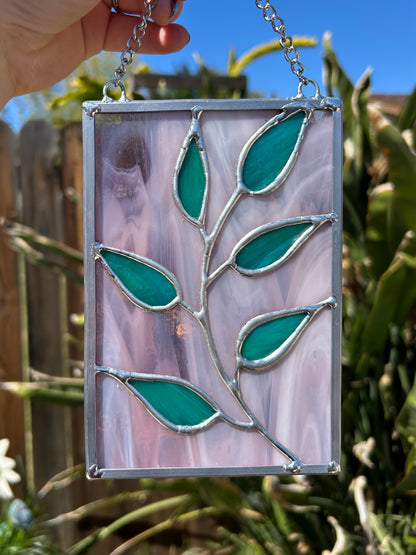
{"points": [[290, 52], [132, 47], [134, 42], [286, 42]]}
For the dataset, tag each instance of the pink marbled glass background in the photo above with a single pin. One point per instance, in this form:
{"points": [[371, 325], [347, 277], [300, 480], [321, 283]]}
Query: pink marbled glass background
{"points": [[135, 160]]}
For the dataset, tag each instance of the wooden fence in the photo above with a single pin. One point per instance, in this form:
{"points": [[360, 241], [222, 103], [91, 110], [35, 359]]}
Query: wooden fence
{"points": [[41, 187]]}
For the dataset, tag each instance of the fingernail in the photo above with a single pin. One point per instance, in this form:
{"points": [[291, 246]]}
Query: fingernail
{"points": [[174, 6]]}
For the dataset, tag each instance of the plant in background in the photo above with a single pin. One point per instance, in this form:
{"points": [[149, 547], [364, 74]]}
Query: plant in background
{"points": [[16, 519], [7, 474]]}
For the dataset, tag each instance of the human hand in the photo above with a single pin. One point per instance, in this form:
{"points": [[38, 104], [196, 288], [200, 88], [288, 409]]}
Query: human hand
{"points": [[43, 41]]}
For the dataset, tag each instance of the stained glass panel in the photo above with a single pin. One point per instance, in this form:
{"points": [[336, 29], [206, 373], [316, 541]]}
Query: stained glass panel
{"points": [[212, 244]]}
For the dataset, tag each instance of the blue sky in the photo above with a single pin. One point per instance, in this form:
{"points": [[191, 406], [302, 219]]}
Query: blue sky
{"points": [[365, 33]]}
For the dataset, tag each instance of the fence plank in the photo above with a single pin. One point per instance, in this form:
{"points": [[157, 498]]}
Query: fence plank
{"points": [[42, 210], [11, 407], [72, 187]]}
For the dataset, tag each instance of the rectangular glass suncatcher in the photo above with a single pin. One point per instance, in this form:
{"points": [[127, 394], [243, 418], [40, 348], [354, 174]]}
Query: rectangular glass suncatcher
{"points": [[212, 287]]}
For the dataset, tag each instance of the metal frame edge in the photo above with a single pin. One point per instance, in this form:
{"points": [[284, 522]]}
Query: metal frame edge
{"points": [[88, 130], [337, 287], [90, 109]]}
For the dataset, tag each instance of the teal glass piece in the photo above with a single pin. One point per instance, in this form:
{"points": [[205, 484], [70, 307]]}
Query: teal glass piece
{"points": [[267, 337], [178, 404], [140, 281], [269, 247], [192, 181], [271, 151]]}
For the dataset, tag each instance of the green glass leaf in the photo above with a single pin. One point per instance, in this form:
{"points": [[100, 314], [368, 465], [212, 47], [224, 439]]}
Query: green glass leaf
{"points": [[266, 249], [267, 337], [177, 404], [144, 282], [271, 152], [191, 181]]}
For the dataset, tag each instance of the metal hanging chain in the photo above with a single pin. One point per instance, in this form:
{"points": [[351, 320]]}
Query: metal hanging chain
{"points": [[286, 42], [134, 42], [132, 47], [290, 52]]}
